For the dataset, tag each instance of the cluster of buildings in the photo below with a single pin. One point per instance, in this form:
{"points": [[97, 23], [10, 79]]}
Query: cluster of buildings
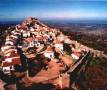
{"points": [[34, 35], [10, 54]]}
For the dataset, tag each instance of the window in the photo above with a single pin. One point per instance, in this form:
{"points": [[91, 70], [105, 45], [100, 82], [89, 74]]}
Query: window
{"points": [[51, 55]]}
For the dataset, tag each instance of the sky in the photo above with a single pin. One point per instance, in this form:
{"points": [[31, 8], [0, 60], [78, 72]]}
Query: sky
{"points": [[53, 9]]}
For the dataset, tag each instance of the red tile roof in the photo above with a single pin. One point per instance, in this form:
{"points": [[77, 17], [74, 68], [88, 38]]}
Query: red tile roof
{"points": [[15, 61], [30, 39], [49, 48], [77, 54], [39, 37], [13, 54], [6, 64], [45, 37], [9, 51]]}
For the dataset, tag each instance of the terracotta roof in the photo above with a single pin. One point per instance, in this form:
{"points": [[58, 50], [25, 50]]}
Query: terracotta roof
{"points": [[77, 54], [9, 51], [16, 61], [13, 54], [6, 64], [9, 42], [24, 27], [57, 41], [29, 39], [49, 48], [18, 26], [39, 37], [14, 36], [45, 37], [7, 47], [41, 30]]}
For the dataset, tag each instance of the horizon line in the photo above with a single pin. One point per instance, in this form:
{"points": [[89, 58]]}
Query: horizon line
{"points": [[54, 18]]}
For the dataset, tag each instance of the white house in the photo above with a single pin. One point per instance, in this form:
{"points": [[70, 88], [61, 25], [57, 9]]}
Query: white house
{"points": [[8, 64], [8, 38], [36, 44], [61, 37], [8, 60], [7, 55], [32, 29], [67, 40], [31, 44], [26, 34], [36, 26], [9, 43], [76, 55], [6, 47], [59, 45], [7, 69], [49, 53]]}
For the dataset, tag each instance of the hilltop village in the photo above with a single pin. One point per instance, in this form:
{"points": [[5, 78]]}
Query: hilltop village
{"points": [[41, 51]]}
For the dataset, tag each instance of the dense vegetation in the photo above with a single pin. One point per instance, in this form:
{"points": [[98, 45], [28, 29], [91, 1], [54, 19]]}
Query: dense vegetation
{"points": [[88, 40], [95, 76]]}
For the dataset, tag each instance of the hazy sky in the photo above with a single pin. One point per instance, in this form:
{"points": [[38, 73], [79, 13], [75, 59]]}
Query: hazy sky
{"points": [[61, 9]]}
